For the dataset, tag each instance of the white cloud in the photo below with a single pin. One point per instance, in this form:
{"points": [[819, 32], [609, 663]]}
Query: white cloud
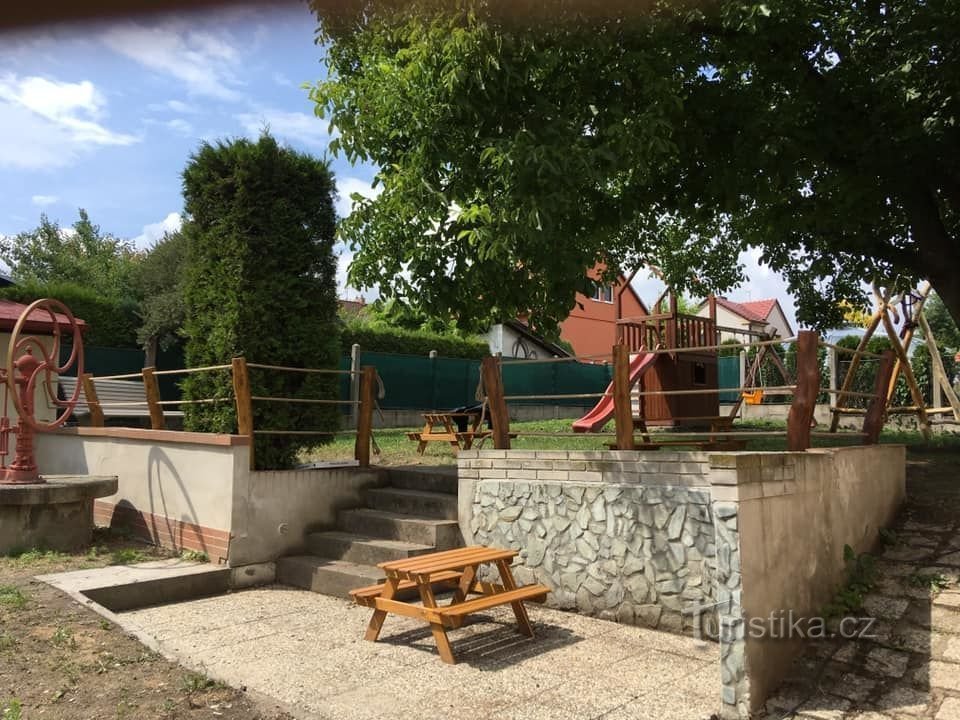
{"points": [[43, 200], [177, 106], [47, 123], [280, 79], [349, 185], [348, 291], [154, 232], [205, 62], [180, 125], [284, 125]]}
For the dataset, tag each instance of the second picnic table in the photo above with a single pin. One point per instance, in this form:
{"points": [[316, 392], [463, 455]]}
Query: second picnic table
{"points": [[458, 567], [442, 427]]}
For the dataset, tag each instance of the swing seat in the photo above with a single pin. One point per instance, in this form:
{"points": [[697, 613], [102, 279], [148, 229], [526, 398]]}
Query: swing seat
{"points": [[753, 397]]}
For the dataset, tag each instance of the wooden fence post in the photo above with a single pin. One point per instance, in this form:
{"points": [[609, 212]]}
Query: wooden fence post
{"points": [[152, 390], [93, 402], [496, 405], [877, 410], [622, 409], [800, 418], [241, 395], [368, 384]]}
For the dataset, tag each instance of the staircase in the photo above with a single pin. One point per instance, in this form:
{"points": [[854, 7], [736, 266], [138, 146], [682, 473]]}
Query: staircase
{"points": [[415, 513]]}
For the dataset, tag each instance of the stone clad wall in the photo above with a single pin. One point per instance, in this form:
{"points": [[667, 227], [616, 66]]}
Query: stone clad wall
{"points": [[626, 539], [687, 540]]}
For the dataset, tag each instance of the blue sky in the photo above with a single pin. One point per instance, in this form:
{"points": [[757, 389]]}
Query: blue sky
{"points": [[104, 117]]}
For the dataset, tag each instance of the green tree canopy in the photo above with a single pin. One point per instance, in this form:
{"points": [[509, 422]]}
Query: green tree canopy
{"points": [[260, 281], [515, 154], [160, 283], [82, 255], [944, 328]]}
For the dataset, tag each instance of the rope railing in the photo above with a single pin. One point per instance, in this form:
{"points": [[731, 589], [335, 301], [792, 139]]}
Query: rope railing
{"points": [[190, 371], [850, 351], [545, 361], [571, 396], [311, 401], [286, 368], [725, 346]]}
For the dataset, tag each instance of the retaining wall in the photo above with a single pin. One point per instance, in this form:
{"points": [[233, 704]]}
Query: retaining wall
{"points": [[687, 540], [195, 491]]}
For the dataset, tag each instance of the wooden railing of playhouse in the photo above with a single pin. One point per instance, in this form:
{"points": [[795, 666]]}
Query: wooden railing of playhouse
{"points": [[669, 330], [241, 397], [800, 419]]}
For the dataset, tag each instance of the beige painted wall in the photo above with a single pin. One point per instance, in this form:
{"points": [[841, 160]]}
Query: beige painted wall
{"points": [[191, 482], [273, 510], [205, 480], [793, 525]]}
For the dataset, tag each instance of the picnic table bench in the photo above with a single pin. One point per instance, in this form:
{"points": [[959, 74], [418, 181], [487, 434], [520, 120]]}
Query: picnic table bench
{"points": [[459, 567], [443, 427]]}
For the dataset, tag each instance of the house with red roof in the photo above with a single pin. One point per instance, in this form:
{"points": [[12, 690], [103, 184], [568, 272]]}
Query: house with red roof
{"points": [[591, 327], [755, 316]]}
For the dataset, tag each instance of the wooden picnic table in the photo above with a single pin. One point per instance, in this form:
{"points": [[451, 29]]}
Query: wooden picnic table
{"points": [[458, 568], [442, 427]]}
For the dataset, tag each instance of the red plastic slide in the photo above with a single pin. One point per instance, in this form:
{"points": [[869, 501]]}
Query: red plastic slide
{"points": [[594, 420]]}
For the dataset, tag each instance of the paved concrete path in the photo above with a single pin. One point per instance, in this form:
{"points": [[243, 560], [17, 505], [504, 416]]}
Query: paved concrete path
{"points": [[910, 669], [306, 651]]}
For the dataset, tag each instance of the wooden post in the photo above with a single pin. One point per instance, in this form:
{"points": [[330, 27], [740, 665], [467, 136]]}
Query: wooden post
{"points": [[941, 383], [152, 390], [800, 418], [93, 402], [840, 400], [877, 409], [241, 396], [497, 406], [622, 409], [368, 385], [902, 364]]}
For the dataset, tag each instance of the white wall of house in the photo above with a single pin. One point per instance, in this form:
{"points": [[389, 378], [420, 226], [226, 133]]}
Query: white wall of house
{"points": [[729, 319], [777, 321], [504, 339]]}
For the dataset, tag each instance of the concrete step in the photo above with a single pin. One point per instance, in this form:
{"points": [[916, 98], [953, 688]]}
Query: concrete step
{"points": [[362, 549], [421, 503], [433, 479], [322, 575], [441, 534]]}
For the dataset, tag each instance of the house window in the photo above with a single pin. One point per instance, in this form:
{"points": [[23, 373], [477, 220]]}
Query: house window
{"points": [[603, 293], [699, 374]]}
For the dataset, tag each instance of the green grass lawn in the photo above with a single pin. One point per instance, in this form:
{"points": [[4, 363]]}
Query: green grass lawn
{"points": [[397, 449]]}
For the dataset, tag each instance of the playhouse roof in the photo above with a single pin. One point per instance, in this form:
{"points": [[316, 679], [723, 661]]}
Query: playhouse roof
{"points": [[39, 321]]}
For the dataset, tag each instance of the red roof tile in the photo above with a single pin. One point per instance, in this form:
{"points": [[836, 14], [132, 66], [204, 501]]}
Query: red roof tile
{"points": [[742, 310], [39, 322], [763, 308]]}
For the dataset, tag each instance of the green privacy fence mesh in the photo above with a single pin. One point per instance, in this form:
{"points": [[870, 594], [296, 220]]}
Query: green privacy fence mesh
{"points": [[413, 382], [568, 378], [728, 372]]}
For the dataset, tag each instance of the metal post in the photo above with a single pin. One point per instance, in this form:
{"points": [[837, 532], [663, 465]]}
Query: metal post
{"points": [[433, 379], [354, 384]]}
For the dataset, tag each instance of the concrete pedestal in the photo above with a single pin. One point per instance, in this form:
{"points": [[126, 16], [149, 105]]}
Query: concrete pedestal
{"points": [[53, 515]]}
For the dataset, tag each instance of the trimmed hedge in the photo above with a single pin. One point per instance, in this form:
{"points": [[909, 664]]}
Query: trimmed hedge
{"points": [[373, 338], [260, 281], [110, 323]]}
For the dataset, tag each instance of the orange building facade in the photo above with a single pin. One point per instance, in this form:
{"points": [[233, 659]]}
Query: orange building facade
{"points": [[591, 327]]}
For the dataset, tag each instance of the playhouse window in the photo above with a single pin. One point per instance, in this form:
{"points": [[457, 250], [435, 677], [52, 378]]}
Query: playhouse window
{"points": [[603, 294], [699, 374]]}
